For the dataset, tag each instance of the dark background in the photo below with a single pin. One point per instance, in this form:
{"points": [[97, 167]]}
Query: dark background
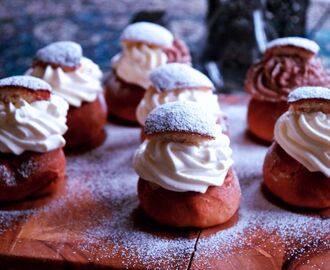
{"points": [[27, 25]]}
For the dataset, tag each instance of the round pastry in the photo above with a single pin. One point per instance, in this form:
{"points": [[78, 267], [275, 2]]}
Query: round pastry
{"points": [[32, 125], [179, 82], [288, 63], [77, 80], [184, 165], [297, 165], [145, 46]]}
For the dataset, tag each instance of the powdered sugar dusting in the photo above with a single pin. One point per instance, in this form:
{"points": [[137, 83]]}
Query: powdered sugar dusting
{"points": [[7, 176], [26, 168], [147, 32], [112, 183], [309, 92], [63, 53], [99, 211], [300, 42], [180, 116], [178, 76], [28, 82], [258, 218]]}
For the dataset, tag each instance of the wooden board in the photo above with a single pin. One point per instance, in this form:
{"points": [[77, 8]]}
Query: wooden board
{"points": [[93, 221]]}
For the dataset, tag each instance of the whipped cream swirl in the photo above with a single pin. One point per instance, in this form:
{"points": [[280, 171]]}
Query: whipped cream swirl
{"points": [[181, 167], [306, 138], [36, 126], [275, 77], [153, 99], [76, 87], [136, 61]]}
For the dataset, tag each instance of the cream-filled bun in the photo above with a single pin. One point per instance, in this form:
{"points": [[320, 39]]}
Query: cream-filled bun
{"points": [[304, 131], [178, 82], [297, 166], [32, 124], [72, 76], [184, 167], [32, 118]]}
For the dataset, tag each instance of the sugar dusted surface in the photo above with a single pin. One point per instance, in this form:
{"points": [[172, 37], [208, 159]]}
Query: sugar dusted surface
{"points": [[309, 92], [180, 116], [256, 212], [101, 191], [7, 176], [304, 43], [63, 53], [178, 76], [28, 82], [149, 33]]}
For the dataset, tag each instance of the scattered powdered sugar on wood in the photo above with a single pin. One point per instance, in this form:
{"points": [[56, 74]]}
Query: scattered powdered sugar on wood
{"points": [[63, 53], [101, 211], [248, 156], [180, 116], [149, 33], [118, 229], [178, 76], [274, 228], [300, 42], [28, 82], [309, 92]]}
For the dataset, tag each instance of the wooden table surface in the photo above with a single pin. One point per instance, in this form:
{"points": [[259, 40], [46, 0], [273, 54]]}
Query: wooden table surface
{"points": [[93, 221]]}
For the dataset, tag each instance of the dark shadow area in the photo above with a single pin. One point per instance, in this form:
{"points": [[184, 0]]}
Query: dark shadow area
{"points": [[86, 148], [143, 223], [250, 136], [278, 202]]}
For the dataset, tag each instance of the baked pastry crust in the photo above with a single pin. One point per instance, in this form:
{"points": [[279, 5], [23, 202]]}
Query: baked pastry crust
{"points": [[30, 174], [262, 116], [86, 124], [23, 87], [288, 63], [292, 182], [122, 98], [191, 209]]}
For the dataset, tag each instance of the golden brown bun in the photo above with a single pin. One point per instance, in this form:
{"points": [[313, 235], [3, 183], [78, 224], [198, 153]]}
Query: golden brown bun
{"points": [[262, 116], [44, 65], [222, 120], [181, 137], [66, 55], [292, 182], [30, 89], [289, 50], [30, 174], [122, 98], [191, 209], [182, 122], [142, 135], [315, 105], [86, 125], [13, 94]]}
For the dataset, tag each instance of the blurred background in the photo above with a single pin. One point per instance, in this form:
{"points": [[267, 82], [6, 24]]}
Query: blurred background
{"points": [[224, 36]]}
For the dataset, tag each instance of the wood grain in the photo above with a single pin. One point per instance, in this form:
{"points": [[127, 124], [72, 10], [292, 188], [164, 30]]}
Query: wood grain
{"points": [[93, 222]]}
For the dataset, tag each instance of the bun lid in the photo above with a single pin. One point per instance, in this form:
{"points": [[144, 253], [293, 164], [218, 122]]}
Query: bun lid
{"points": [[26, 87], [293, 45], [180, 121], [149, 33], [178, 76], [65, 54], [310, 99]]}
